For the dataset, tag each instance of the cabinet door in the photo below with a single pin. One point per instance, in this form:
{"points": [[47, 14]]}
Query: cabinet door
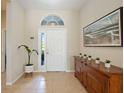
{"points": [[85, 79], [94, 84], [76, 67], [78, 70], [83, 75]]}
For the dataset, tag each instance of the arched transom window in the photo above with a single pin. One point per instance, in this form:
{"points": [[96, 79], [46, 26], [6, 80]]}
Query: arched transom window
{"points": [[52, 20]]}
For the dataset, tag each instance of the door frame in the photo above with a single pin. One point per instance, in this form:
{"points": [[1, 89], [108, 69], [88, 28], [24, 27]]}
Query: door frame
{"points": [[43, 68]]}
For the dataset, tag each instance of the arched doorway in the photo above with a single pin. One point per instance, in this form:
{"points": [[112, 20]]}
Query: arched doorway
{"points": [[52, 42]]}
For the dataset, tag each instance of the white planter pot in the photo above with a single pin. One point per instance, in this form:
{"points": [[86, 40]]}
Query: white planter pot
{"points": [[84, 57], [107, 65], [80, 55], [89, 58], [97, 61], [29, 69]]}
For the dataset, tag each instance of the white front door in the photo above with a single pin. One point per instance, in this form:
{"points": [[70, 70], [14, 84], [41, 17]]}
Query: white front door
{"points": [[56, 50]]}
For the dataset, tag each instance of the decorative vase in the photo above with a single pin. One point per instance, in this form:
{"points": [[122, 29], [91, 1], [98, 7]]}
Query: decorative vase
{"points": [[29, 69], [89, 58], [97, 61], [80, 55], [107, 65]]}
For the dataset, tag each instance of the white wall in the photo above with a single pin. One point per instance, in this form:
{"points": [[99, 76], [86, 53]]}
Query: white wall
{"points": [[91, 11], [3, 36], [71, 20], [3, 19], [15, 37]]}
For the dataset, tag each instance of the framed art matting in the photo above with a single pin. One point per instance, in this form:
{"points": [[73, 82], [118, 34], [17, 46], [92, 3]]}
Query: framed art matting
{"points": [[106, 31]]}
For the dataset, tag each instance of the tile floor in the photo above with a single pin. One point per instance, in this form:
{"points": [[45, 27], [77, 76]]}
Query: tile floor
{"points": [[50, 82]]}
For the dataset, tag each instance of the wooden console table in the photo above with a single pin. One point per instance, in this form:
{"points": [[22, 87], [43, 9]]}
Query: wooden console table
{"points": [[98, 79]]}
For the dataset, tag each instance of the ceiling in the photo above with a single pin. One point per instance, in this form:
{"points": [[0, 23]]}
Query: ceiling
{"points": [[52, 4]]}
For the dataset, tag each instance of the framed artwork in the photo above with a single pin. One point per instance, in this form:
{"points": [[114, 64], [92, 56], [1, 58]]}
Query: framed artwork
{"points": [[106, 31]]}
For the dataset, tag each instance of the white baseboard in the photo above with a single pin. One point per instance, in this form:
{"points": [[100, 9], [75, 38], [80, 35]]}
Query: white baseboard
{"points": [[43, 71], [11, 83], [46, 71], [8, 83], [70, 71], [38, 71]]}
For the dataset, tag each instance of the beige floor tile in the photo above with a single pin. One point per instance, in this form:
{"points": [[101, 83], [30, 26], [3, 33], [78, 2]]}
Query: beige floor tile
{"points": [[50, 82]]}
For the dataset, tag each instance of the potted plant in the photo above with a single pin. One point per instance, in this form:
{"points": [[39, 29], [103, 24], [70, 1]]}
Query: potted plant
{"points": [[85, 56], [28, 67], [97, 60], [89, 57], [107, 63], [80, 54]]}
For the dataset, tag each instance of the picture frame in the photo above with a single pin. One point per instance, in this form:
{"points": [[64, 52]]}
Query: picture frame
{"points": [[106, 31]]}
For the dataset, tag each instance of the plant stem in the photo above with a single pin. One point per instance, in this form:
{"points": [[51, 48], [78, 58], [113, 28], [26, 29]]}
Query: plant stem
{"points": [[28, 58]]}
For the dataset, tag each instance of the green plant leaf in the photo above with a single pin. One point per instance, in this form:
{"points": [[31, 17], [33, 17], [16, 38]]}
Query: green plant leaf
{"points": [[29, 51]]}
